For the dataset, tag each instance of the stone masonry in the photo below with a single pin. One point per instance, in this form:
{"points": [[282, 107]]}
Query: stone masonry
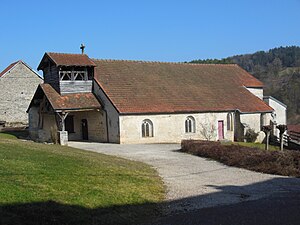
{"points": [[17, 86]]}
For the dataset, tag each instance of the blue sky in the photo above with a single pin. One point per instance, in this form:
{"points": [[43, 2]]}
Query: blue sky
{"points": [[155, 30]]}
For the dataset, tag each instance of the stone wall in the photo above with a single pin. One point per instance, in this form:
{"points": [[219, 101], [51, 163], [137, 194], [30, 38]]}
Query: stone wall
{"points": [[95, 119], [112, 115], [17, 89], [96, 126], [170, 128]]}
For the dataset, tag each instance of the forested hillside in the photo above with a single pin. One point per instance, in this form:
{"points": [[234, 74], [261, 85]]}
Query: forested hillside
{"points": [[279, 69]]}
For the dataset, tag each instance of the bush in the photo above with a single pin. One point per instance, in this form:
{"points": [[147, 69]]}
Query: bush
{"points": [[53, 133], [286, 163], [251, 135]]}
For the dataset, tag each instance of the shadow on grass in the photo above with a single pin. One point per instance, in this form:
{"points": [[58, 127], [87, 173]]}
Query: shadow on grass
{"points": [[274, 201], [55, 213], [18, 132]]}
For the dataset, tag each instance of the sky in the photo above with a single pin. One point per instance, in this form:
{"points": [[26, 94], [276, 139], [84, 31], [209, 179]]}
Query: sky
{"points": [[151, 30]]}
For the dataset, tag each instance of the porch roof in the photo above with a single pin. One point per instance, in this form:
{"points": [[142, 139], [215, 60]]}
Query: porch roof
{"points": [[70, 102]]}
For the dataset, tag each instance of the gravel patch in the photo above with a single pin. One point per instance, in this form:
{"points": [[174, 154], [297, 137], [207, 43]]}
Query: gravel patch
{"points": [[193, 182]]}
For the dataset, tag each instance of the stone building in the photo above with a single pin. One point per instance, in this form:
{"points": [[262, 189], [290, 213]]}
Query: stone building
{"points": [[122, 101], [18, 83]]}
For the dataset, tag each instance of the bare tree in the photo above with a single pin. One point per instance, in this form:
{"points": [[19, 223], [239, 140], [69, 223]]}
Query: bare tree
{"points": [[208, 129], [282, 128], [267, 130]]}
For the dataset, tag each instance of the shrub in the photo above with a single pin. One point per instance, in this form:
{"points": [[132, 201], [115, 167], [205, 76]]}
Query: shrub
{"points": [[53, 133], [251, 135], [285, 163]]}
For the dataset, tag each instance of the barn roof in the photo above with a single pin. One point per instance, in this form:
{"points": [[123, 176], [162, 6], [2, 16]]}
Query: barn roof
{"points": [[78, 101], [12, 65], [154, 87], [8, 68], [63, 59]]}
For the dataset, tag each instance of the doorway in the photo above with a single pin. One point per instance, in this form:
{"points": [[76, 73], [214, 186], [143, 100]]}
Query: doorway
{"points": [[221, 129], [84, 128]]}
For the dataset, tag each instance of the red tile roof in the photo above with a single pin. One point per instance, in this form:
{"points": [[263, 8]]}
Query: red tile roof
{"points": [[154, 87], [63, 59], [8, 68], [294, 128], [70, 101]]}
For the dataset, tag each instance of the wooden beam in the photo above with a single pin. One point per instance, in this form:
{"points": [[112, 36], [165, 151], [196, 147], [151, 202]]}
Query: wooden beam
{"points": [[63, 115]]}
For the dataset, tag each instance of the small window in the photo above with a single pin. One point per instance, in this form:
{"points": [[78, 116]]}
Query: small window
{"points": [[65, 75], [147, 128], [79, 75], [190, 125], [229, 122], [69, 124]]}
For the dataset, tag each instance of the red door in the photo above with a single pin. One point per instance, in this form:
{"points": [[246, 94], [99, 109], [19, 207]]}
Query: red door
{"points": [[221, 129]]}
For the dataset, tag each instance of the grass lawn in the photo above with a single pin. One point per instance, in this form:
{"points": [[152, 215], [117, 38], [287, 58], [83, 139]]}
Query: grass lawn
{"points": [[51, 184]]}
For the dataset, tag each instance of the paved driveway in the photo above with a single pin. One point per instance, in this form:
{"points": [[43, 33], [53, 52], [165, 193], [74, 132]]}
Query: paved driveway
{"points": [[193, 182]]}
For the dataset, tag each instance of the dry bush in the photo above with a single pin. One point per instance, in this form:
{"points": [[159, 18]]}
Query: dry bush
{"points": [[54, 136], [285, 163]]}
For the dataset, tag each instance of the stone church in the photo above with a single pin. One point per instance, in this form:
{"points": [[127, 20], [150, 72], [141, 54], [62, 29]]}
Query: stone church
{"points": [[18, 83], [121, 101]]}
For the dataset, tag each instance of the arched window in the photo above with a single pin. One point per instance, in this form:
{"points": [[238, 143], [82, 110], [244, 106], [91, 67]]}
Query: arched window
{"points": [[229, 122], [147, 128], [190, 125]]}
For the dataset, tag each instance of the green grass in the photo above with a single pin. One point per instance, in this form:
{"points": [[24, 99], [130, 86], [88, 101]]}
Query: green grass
{"points": [[72, 185], [7, 136], [253, 145]]}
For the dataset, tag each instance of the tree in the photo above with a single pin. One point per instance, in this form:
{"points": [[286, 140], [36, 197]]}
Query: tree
{"points": [[208, 129]]}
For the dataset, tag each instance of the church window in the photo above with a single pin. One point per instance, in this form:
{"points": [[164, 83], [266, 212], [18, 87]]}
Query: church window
{"points": [[229, 122], [190, 125], [147, 128]]}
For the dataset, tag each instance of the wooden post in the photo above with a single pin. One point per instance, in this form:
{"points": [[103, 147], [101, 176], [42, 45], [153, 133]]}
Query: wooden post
{"points": [[62, 117], [62, 134]]}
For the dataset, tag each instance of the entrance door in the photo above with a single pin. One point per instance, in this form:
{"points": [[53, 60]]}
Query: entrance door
{"points": [[84, 128], [221, 129]]}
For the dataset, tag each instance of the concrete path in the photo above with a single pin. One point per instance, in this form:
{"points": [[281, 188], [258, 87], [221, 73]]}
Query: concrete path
{"points": [[193, 182]]}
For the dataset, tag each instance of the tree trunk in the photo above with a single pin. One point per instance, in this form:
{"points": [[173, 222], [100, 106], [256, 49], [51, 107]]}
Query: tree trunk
{"points": [[267, 140], [281, 142]]}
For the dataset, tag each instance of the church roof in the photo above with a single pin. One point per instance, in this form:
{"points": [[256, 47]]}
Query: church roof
{"points": [[63, 59], [136, 87], [69, 101]]}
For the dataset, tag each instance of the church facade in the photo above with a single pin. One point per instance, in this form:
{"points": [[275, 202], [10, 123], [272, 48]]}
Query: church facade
{"points": [[121, 101]]}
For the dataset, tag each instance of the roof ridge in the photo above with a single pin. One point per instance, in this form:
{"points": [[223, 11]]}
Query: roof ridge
{"points": [[155, 62], [60, 53]]}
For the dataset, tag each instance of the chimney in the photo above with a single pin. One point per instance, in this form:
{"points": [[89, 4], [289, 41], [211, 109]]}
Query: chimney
{"points": [[82, 48]]}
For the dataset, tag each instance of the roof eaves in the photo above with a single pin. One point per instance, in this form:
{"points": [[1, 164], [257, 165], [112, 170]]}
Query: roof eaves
{"points": [[45, 93], [44, 56]]}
